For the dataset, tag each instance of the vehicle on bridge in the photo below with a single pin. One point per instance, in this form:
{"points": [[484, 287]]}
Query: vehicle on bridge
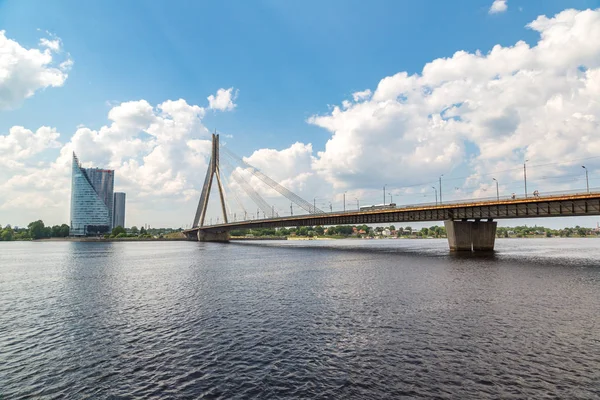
{"points": [[378, 207]]}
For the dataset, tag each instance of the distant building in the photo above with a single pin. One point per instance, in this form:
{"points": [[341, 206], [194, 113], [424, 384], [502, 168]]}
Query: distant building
{"points": [[91, 200], [119, 210]]}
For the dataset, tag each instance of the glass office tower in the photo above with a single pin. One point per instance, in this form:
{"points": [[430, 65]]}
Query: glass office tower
{"points": [[91, 200], [119, 210]]}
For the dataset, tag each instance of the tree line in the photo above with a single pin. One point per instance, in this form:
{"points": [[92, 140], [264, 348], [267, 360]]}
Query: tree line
{"points": [[342, 231], [38, 230], [35, 230]]}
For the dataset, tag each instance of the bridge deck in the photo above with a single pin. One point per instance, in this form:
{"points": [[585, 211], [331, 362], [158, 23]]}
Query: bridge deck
{"points": [[565, 205]]}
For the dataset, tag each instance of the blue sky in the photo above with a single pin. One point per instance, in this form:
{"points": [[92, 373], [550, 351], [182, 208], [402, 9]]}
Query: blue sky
{"points": [[287, 62]]}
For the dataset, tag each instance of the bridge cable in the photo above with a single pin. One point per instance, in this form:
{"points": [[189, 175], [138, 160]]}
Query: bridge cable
{"points": [[235, 194], [300, 202], [256, 198]]}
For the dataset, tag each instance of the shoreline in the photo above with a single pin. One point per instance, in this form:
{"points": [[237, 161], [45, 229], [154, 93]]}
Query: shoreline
{"points": [[259, 238]]}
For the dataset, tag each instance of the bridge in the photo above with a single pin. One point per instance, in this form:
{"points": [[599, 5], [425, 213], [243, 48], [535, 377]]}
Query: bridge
{"points": [[470, 225]]}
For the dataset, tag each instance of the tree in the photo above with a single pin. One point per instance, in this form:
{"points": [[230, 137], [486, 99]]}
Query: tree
{"points": [[7, 234], [117, 230], [36, 229], [392, 228], [56, 231], [64, 230], [142, 231], [319, 230], [134, 230]]}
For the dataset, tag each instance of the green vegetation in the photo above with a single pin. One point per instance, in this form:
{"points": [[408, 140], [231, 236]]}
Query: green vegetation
{"points": [[364, 231], [35, 230], [38, 230], [540, 231]]}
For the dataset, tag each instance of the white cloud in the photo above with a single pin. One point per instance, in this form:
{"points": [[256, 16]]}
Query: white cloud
{"points": [[25, 71], [223, 101], [159, 154], [364, 95], [537, 102], [21, 144], [53, 45], [498, 6]]}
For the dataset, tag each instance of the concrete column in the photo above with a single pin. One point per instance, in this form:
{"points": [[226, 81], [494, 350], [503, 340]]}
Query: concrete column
{"points": [[213, 236], [471, 236], [484, 235], [459, 235], [192, 236]]}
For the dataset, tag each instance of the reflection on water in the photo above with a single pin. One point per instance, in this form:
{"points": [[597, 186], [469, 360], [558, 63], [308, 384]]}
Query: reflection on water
{"points": [[310, 319]]}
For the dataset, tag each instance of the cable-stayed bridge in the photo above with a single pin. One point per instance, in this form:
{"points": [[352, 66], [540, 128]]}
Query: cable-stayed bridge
{"points": [[470, 225]]}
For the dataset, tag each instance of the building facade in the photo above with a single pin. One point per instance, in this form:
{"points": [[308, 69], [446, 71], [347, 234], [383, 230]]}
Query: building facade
{"points": [[119, 210], [91, 200]]}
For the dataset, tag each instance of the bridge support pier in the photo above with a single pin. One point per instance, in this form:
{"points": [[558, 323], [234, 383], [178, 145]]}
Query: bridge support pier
{"points": [[471, 235], [212, 236]]}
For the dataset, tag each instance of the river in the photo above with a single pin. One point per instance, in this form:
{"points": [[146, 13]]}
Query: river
{"points": [[364, 319]]}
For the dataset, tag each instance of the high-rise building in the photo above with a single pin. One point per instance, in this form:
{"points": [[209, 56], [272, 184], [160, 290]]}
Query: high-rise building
{"points": [[119, 210], [91, 200]]}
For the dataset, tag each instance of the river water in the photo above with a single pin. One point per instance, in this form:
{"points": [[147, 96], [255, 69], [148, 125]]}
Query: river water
{"points": [[365, 319]]}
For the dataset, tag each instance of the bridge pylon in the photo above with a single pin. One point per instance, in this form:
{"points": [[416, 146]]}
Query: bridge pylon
{"points": [[213, 170]]}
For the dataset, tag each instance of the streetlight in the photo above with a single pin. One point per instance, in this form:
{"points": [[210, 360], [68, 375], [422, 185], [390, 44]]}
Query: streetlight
{"points": [[587, 182], [391, 198], [441, 188], [433, 187], [330, 207], [357, 204], [497, 191], [345, 201], [384, 193], [314, 205], [525, 176]]}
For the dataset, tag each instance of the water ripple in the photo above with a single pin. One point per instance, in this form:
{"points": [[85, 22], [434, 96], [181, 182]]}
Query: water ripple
{"points": [[337, 319]]}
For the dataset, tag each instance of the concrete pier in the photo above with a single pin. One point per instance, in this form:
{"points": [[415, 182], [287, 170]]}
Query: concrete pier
{"points": [[471, 235], [213, 236]]}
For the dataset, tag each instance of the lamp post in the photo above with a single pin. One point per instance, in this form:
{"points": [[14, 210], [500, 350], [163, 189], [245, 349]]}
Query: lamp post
{"points": [[314, 205], [330, 207], [357, 204], [525, 176], [587, 182], [433, 187], [384, 193], [391, 198], [497, 191], [441, 188], [344, 201]]}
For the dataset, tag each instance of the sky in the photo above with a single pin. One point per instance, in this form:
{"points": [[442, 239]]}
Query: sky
{"points": [[334, 100]]}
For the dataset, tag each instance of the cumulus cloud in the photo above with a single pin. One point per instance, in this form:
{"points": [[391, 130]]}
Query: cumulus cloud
{"points": [[511, 103], [465, 117], [159, 154], [498, 6], [24, 71], [363, 95], [21, 143], [223, 101]]}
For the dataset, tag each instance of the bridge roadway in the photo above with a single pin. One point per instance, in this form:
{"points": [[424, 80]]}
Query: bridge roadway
{"points": [[463, 220]]}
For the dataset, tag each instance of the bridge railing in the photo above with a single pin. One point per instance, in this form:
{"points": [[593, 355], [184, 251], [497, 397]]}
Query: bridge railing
{"points": [[452, 202]]}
